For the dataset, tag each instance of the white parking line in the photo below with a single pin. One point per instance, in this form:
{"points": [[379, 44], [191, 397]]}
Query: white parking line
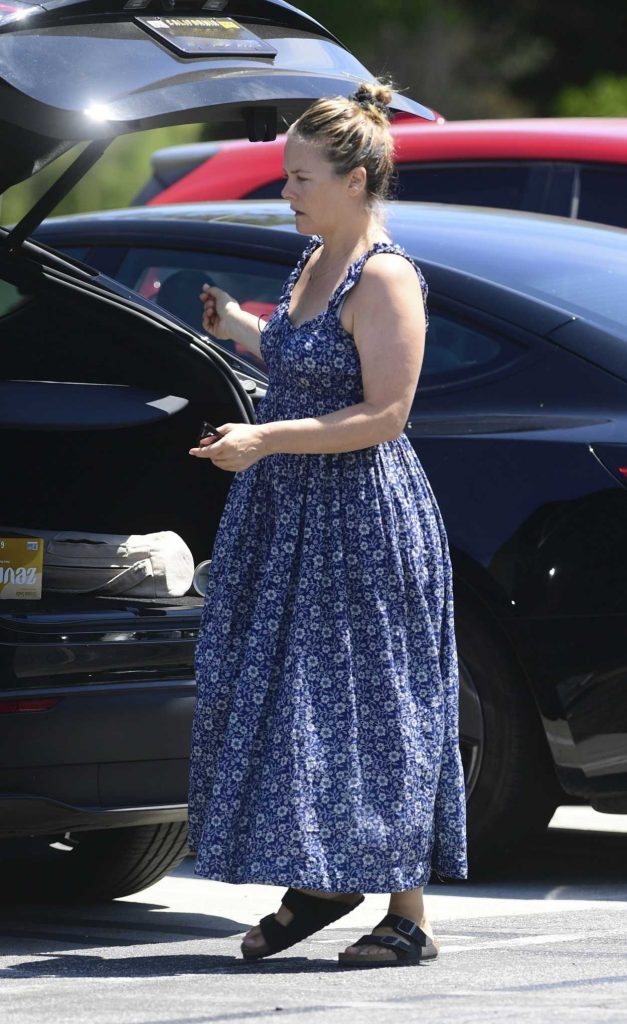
{"points": [[524, 940]]}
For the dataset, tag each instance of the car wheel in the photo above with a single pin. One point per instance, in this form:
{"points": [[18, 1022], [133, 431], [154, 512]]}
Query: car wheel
{"points": [[90, 867], [511, 787]]}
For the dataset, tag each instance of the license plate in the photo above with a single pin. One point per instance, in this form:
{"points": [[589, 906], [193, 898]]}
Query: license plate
{"points": [[197, 36]]}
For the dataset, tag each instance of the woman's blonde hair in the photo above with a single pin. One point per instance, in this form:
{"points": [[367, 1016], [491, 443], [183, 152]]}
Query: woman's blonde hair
{"points": [[354, 132]]}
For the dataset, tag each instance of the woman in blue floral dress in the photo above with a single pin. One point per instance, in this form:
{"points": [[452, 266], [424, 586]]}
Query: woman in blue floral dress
{"points": [[325, 752]]}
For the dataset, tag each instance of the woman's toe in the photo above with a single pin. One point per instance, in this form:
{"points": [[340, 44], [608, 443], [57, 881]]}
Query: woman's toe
{"points": [[377, 951], [253, 938], [369, 950], [384, 954]]}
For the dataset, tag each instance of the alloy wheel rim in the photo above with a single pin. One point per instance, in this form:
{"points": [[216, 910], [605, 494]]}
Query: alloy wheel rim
{"points": [[471, 728]]}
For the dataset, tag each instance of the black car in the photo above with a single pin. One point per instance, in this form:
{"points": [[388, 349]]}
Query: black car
{"points": [[519, 420], [100, 398]]}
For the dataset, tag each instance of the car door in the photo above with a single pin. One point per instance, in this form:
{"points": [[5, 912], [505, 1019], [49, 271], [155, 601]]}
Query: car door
{"points": [[167, 262], [173, 278]]}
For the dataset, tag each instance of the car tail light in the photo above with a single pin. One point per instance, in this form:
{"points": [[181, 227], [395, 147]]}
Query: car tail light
{"points": [[11, 707], [612, 457], [14, 10]]}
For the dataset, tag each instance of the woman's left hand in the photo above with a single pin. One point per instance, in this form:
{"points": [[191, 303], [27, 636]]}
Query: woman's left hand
{"points": [[240, 448]]}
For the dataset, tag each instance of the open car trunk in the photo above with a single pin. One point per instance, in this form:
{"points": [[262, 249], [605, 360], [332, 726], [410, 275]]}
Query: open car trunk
{"points": [[111, 67], [98, 409], [101, 398]]}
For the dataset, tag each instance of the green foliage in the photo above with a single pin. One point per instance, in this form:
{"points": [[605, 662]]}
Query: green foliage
{"points": [[585, 40], [464, 58], [604, 96], [356, 26], [483, 58], [111, 183]]}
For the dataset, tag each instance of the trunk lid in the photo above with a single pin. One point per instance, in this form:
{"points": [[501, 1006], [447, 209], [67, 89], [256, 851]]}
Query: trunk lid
{"points": [[79, 71]]}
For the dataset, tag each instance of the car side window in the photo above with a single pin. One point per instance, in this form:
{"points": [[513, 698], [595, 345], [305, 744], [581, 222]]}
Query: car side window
{"points": [[77, 252], [504, 185], [456, 351], [173, 279], [602, 192], [11, 298], [271, 190]]}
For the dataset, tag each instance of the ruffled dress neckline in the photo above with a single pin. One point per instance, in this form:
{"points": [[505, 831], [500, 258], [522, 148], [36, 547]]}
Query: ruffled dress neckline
{"points": [[353, 270]]}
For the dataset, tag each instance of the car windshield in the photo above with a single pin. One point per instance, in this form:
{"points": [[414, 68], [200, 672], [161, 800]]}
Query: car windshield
{"points": [[577, 265]]}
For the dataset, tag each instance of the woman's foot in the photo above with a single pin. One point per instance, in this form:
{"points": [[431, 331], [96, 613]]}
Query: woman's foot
{"points": [[408, 903], [380, 951], [253, 940]]}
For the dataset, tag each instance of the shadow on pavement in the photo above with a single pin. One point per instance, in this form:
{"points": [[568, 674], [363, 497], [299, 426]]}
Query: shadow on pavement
{"points": [[561, 864], [67, 965], [565, 855], [142, 921]]}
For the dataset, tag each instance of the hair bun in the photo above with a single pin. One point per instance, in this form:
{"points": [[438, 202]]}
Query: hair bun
{"points": [[352, 132], [371, 96]]}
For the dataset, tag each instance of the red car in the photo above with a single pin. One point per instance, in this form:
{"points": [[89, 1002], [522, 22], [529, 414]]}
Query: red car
{"points": [[571, 167]]}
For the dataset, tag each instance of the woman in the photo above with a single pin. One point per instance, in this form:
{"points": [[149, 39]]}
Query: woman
{"points": [[325, 748]]}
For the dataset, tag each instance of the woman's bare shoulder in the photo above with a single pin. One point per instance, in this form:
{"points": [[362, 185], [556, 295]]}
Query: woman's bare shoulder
{"points": [[388, 264], [388, 286], [390, 270]]}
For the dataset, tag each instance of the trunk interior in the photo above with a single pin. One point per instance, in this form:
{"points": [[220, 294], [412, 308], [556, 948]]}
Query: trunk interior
{"points": [[130, 474]]}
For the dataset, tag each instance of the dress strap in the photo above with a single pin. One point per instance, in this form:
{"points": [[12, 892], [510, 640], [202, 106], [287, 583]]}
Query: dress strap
{"points": [[354, 273]]}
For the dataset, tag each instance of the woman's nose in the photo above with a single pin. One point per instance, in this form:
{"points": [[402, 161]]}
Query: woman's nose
{"points": [[286, 192]]}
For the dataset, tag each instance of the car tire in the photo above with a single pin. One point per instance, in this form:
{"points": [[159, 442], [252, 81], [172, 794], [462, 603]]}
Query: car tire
{"points": [[511, 786], [102, 866]]}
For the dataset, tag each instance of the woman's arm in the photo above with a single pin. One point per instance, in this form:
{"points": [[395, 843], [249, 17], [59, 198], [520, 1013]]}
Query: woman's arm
{"points": [[226, 320], [389, 332]]}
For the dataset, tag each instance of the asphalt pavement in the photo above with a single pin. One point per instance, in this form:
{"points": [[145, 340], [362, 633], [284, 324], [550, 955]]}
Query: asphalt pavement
{"points": [[542, 941]]}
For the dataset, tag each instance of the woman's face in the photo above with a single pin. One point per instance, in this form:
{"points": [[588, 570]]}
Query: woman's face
{"points": [[314, 191]]}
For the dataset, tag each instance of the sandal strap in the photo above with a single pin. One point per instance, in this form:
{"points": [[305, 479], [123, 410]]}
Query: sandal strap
{"points": [[316, 908], [311, 913], [400, 946], [273, 931], [406, 928]]}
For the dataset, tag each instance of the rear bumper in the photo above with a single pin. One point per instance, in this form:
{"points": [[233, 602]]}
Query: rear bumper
{"points": [[100, 757], [38, 815]]}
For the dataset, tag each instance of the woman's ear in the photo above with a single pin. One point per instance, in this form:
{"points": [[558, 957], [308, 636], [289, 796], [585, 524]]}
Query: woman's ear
{"points": [[357, 180]]}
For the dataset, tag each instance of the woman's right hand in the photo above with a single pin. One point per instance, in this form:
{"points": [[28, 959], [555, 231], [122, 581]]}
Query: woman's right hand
{"points": [[219, 306]]}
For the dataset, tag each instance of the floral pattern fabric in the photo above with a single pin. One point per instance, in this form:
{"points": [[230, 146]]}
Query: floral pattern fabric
{"points": [[324, 748]]}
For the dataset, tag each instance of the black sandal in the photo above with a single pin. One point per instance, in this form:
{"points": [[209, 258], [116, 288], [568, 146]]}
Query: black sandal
{"points": [[412, 947], [311, 913]]}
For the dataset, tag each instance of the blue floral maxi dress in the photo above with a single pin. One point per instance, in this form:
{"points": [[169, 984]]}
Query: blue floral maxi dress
{"points": [[324, 748]]}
